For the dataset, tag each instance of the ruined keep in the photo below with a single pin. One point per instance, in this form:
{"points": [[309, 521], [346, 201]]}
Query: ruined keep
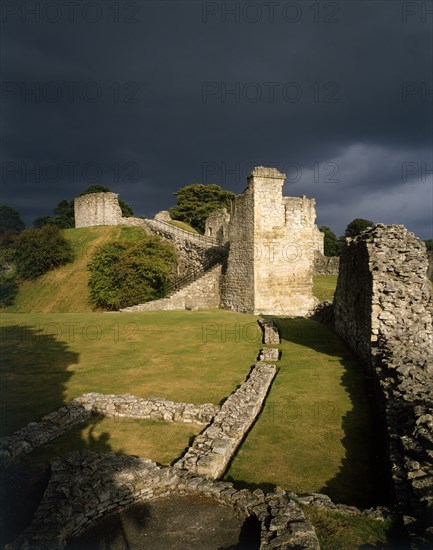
{"points": [[97, 209], [272, 242], [265, 248], [382, 309]]}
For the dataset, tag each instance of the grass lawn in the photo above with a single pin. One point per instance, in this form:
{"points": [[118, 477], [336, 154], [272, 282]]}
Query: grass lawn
{"points": [[313, 434], [48, 359], [159, 441], [324, 286]]}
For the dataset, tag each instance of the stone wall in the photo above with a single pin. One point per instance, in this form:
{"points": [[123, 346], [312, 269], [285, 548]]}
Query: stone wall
{"points": [[430, 265], [204, 293], [193, 250], [237, 285], [53, 425], [383, 309], [86, 486], [272, 242], [97, 209], [211, 451], [326, 265]]}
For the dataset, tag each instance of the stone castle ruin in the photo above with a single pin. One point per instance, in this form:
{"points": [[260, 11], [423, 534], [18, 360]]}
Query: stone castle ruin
{"points": [[258, 258], [264, 249]]}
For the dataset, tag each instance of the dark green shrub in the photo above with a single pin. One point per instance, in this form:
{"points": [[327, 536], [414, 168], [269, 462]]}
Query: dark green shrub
{"points": [[123, 273], [36, 251]]}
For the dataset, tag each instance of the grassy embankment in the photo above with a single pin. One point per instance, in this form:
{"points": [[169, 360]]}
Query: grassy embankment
{"points": [[64, 290]]}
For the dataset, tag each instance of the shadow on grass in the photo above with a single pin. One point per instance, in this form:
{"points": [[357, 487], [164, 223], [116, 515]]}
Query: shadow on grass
{"points": [[363, 477], [35, 368]]}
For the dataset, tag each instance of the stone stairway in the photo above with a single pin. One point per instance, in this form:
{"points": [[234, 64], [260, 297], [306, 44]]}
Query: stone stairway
{"points": [[199, 289]]}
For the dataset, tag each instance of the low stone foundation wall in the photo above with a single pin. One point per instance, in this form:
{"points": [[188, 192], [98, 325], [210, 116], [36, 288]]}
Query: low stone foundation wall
{"points": [[154, 408], [85, 486], [270, 331], [212, 450], [201, 294], [269, 354], [53, 425], [35, 434]]}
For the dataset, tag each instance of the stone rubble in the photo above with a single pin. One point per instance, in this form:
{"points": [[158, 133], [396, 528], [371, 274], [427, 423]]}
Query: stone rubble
{"points": [[213, 449], [269, 354], [320, 500]]}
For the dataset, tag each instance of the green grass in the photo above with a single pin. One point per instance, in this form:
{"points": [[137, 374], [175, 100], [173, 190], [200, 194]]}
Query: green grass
{"points": [[324, 286], [65, 290], [159, 441], [311, 436], [183, 225], [314, 433], [336, 531]]}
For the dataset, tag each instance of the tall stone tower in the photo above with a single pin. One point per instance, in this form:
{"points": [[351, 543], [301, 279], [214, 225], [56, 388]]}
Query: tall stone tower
{"points": [[272, 243]]}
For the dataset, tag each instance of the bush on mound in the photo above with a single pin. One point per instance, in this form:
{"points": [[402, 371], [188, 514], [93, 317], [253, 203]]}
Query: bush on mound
{"points": [[123, 273], [36, 251]]}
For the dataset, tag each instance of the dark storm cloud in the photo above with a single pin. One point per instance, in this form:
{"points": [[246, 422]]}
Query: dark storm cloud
{"points": [[334, 93]]}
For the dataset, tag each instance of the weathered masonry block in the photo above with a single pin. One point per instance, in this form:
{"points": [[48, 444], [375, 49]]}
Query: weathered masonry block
{"points": [[272, 244], [97, 209], [383, 310]]}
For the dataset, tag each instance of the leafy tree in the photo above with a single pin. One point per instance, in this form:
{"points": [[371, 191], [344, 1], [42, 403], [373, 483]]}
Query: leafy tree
{"points": [[10, 220], [126, 209], [429, 244], [43, 220], [195, 202], [36, 251], [356, 226], [332, 245], [126, 273], [65, 216], [124, 206]]}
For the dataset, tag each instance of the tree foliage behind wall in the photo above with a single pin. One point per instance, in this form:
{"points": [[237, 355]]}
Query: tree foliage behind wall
{"points": [[332, 245], [125, 273], [195, 203]]}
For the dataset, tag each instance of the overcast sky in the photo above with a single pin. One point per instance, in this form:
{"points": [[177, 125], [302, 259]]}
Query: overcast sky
{"points": [[148, 96]]}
